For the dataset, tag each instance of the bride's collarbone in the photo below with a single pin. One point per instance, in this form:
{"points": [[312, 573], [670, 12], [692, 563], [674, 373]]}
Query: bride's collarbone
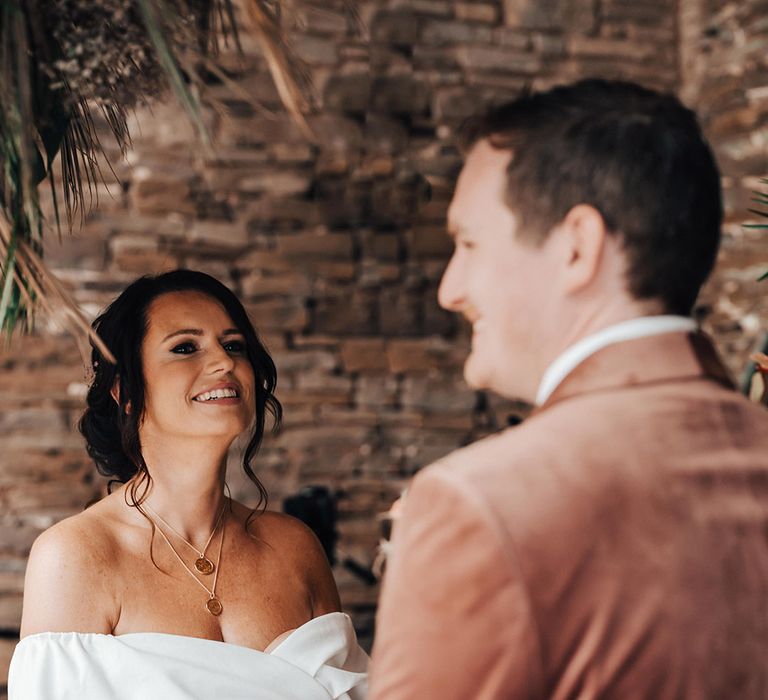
{"points": [[264, 587], [261, 597]]}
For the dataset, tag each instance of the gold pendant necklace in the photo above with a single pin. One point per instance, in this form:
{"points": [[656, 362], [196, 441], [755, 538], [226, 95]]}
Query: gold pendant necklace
{"points": [[203, 564], [213, 604]]}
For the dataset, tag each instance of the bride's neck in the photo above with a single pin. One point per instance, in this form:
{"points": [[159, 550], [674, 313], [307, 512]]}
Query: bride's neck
{"points": [[187, 489]]}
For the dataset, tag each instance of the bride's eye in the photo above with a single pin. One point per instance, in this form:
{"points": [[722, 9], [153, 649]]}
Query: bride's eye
{"points": [[236, 347], [184, 348]]}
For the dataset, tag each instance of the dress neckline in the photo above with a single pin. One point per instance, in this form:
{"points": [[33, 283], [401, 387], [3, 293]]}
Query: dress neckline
{"points": [[275, 644]]}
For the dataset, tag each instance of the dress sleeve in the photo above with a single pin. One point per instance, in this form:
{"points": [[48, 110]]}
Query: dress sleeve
{"points": [[454, 620], [42, 670]]}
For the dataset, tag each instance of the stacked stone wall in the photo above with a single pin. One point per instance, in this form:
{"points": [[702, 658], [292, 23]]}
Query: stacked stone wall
{"points": [[724, 71], [336, 249]]}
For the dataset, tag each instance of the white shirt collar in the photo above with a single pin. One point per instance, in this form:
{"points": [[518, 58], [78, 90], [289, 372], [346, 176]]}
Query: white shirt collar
{"points": [[626, 330]]}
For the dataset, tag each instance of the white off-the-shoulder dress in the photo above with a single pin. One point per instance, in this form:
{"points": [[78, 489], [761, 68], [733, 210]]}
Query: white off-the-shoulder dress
{"points": [[321, 659]]}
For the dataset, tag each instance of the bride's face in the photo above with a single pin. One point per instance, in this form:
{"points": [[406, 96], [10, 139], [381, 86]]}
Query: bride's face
{"points": [[198, 379]]}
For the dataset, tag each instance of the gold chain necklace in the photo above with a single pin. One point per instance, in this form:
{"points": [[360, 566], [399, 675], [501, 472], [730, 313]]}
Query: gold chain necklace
{"points": [[213, 604], [203, 564]]}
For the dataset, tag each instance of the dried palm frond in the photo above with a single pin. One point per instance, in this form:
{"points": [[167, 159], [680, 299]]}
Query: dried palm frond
{"points": [[37, 284], [63, 61], [291, 85], [159, 17]]}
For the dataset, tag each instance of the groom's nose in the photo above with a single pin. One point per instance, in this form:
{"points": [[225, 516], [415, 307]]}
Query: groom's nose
{"points": [[451, 294]]}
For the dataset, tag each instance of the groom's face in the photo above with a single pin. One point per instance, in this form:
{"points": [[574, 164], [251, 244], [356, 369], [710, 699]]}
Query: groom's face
{"points": [[501, 284]]}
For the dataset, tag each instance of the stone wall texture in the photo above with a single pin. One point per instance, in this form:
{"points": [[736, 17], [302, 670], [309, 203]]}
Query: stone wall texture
{"points": [[724, 76], [337, 248]]}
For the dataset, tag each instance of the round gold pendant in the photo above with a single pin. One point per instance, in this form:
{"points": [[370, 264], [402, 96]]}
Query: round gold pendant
{"points": [[213, 605], [204, 566]]}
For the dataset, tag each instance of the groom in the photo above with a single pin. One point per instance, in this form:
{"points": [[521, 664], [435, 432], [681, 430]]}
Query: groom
{"points": [[615, 544]]}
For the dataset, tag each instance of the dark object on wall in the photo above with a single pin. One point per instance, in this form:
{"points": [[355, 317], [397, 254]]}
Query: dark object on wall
{"points": [[316, 507]]}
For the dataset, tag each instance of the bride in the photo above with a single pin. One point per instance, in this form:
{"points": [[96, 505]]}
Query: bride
{"points": [[167, 588]]}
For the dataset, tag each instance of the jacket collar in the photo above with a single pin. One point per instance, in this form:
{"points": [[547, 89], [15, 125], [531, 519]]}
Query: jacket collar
{"points": [[647, 360]]}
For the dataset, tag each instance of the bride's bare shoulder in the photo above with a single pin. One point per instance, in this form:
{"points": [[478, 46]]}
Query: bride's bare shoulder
{"points": [[301, 552], [90, 535], [67, 587], [278, 530]]}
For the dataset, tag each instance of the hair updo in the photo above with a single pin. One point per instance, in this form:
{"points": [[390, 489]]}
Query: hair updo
{"points": [[110, 427]]}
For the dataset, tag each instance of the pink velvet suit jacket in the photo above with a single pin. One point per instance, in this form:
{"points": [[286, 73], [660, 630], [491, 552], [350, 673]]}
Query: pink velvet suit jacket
{"points": [[614, 545]]}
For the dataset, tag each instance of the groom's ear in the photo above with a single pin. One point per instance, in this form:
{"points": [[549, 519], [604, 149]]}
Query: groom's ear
{"points": [[584, 235]]}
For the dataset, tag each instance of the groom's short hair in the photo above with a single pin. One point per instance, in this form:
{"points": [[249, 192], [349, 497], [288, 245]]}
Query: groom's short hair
{"points": [[635, 155]]}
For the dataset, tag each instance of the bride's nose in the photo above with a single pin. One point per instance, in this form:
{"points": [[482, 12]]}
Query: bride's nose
{"points": [[219, 360]]}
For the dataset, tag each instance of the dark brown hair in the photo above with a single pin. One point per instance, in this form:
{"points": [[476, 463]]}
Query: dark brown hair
{"points": [[636, 156]]}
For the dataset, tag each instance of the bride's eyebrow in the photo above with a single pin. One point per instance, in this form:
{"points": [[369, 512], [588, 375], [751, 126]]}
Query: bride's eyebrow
{"points": [[197, 331], [183, 331]]}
